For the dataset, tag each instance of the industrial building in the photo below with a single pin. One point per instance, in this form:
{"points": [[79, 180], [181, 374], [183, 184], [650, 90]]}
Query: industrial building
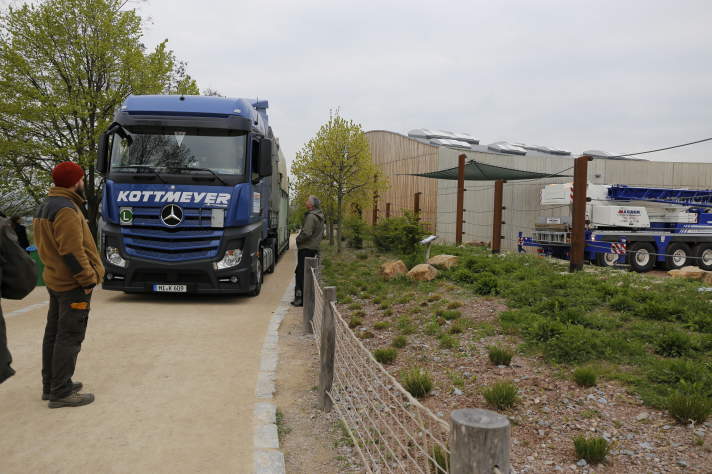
{"points": [[422, 151]]}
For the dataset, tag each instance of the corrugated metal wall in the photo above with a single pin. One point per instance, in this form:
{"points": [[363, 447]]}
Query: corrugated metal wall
{"points": [[522, 198], [396, 155]]}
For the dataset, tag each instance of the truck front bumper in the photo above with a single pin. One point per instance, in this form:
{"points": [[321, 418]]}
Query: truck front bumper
{"points": [[141, 276]]}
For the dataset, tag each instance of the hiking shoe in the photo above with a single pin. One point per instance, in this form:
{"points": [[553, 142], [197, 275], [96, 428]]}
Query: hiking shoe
{"points": [[297, 303], [72, 400], [76, 386]]}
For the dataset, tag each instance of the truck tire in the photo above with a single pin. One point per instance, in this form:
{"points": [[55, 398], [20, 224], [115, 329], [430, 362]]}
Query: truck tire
{"points": [[257, 276], [703, 256], [273, 247], [606, 259], [642, 257], [678, 255]]}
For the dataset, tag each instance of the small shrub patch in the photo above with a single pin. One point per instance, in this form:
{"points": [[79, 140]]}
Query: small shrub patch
{"points": [[448, 342], [500, 355], [690, 404], [585, 377], [417, 382], [593, 450], [673, 344], [355, 322], [381, 325], [399, 341], [501, 395], [449, 314], [385, 355]]}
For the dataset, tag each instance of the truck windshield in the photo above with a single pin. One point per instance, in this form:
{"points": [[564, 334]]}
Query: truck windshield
{"points": [[179, 150]]}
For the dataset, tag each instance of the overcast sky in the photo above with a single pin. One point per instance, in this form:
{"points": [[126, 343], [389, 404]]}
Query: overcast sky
{"points": [[621, 76]]}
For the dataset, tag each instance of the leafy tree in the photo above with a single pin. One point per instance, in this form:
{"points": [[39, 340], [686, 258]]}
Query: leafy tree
{"points": [[336, 166], [65, 67]]}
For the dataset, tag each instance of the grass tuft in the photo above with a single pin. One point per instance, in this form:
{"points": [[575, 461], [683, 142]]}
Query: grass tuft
{"points": [[593, 450], [417, 382], [355, 322], [585, 377], [399, 341], [690, 404], [448, 342], [501, 395], [385, 355], [381, 325], [500, 355]]}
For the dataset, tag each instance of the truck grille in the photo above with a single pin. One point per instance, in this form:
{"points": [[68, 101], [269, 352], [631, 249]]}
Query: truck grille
{"points": [[193, 239]]}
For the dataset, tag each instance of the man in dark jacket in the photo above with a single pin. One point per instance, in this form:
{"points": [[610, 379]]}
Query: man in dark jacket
{"points": [[18, 277], [72, 269], [308, 242]]}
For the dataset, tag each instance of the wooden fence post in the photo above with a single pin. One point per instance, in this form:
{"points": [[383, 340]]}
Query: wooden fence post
{"points": [[308, 293], [416, 203], [388, 210], [327, 349], [460, 198], [497, 217], [479, 442], [375, 203], [578, 224]]}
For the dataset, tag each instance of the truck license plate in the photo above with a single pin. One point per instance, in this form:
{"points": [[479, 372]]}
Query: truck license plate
{"points": [[171, 288]]}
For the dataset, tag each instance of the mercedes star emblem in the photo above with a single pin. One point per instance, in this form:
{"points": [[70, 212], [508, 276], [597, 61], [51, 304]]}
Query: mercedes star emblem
{"points": [[172, 215]]}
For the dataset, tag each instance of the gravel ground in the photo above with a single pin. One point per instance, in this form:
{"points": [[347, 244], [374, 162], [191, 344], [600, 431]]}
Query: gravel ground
{"points": [[552, 409]]}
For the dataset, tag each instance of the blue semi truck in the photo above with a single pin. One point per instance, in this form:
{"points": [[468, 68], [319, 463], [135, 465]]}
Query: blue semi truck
{"points": [[195, 197], [641, 226]]}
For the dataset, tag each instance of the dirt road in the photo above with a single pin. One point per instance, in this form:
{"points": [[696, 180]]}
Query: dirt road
{"points": [[174, 379]]}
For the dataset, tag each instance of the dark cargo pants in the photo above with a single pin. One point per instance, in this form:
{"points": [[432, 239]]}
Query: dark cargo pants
{"points": [[66, 326], [299, 277]]}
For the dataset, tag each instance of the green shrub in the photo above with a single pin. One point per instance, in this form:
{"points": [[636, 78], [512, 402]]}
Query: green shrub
{"points": [[501, 395], [362, 255], [399, 341], [543, 330], [585, 377], [690, 403], [354, 230], [398, 234], [366, 335], [454, 305], [433, 298], [388, 312], [593, 450], [358, 314], [385, 355], [432, 328], [417, 382], [576, 344], [673, 344], [486, 284], [500, 355], [355, 322], [405, 325], [381, 325], [448, 342], [622, 303], [440, 461], [354, 306]]}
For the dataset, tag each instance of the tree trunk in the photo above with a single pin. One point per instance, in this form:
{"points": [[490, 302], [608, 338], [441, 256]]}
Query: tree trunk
{"points": [[331, 232], [93, 197], [339, 212]]}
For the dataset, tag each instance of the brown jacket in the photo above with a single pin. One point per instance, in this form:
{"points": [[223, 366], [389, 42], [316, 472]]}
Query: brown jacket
{"points": [[65, 243]]}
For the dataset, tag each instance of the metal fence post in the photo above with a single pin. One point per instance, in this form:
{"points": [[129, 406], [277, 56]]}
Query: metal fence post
{"points": [[497, 217], [308, 293], [328, 347], [479, 442], [460, 198]]}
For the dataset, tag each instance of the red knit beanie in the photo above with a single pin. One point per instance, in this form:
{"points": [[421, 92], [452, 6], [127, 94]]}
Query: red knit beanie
{"points": [[67, 174]]}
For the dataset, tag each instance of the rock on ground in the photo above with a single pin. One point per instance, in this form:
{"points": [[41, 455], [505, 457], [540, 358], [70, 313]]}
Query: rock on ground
{"points": [[393, 269], [423, 272], [445, 261], [691, 273]]}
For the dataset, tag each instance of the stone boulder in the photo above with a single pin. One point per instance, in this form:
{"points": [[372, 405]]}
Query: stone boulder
{"points": [[423, 272], [690, 273], [445, 261], [707, 278], [477, 243], [393, 269]]}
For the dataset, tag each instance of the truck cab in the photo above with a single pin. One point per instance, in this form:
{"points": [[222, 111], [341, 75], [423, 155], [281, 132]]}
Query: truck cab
{"points": [[188, 204]]}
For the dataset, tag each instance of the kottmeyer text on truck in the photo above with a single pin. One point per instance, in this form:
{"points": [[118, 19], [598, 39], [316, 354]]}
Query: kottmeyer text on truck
{"points": [[631, 224], [195, 199]]}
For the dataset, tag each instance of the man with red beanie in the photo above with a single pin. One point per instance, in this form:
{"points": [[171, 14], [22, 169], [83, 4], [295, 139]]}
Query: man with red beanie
{"points": [[72, 269]]}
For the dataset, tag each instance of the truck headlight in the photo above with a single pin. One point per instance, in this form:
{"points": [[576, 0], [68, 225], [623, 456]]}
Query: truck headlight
{"points": [[114, 257], [231, 259]]}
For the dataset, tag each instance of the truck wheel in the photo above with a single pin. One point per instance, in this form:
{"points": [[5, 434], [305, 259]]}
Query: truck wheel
{"points": [[677, 256], [273, 247], [703, 254], [642, 257], [257, 276], [607, 259]]}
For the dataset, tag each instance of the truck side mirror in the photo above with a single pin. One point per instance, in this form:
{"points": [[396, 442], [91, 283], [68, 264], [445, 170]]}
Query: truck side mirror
{"points": [[264, 159], [102, 162]]}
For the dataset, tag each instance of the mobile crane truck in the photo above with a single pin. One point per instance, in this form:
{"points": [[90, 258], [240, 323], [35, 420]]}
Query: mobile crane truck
{"points": [[640, 226], [195, 196]]}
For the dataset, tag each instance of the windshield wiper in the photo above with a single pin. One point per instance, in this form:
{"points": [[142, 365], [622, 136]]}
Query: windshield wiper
{"points": [[188, 168], [143, 168]]}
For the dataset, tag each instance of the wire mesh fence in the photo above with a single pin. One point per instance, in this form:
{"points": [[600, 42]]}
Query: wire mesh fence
{"points": [[391, 430]]}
